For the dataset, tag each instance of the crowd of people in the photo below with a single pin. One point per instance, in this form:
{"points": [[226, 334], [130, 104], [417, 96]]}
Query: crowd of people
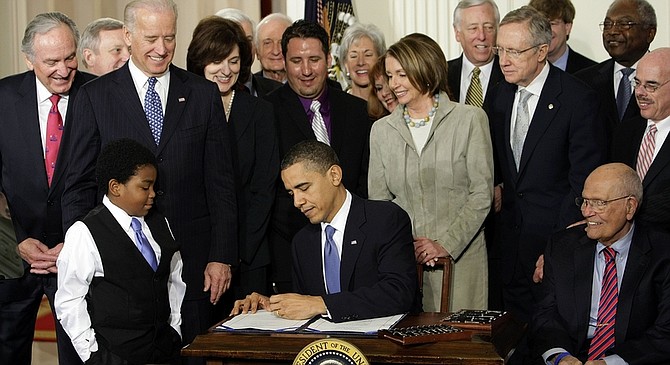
{"points": [[149, 201]]}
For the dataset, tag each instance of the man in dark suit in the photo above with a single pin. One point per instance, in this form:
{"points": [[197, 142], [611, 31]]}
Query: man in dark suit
{"points": [[195, 187], [628, 30], [373, 273], [580, 316], [475, 26], [342, 121], [547, 143], [561, 13], [632, 140], [32, 185]]}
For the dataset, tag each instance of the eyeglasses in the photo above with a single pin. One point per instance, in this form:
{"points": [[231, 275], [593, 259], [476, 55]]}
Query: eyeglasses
{"points": [[513, 53], [608, 25], [596, 204], [650, 88]]}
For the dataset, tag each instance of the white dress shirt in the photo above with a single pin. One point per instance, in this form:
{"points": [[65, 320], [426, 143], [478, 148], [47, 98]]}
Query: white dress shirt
{"points": [[535, 88], [466, 76], [79, 262], [662, 131], [141, 82], [618, 76]]}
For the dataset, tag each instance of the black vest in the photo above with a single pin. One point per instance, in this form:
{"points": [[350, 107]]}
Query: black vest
{"points": [[129, 306]]}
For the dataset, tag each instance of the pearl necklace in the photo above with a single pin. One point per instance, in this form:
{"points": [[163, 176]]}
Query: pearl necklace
{"points": [[424, 121], [230, 105]]}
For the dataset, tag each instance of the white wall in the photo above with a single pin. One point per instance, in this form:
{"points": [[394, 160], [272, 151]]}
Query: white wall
{"points": [[395, 17]]}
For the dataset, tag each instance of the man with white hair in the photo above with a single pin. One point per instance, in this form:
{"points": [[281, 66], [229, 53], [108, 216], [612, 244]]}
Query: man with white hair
{"points": [[102, 48]]}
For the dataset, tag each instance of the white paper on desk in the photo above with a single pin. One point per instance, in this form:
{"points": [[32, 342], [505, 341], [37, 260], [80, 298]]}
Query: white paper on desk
{"points": [[261, 320], [364, 326]]}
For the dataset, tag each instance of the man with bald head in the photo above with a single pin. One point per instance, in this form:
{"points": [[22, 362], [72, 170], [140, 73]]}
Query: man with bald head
{"points": [[642, 143], [606, 282], [37, 120], [628, 29]]}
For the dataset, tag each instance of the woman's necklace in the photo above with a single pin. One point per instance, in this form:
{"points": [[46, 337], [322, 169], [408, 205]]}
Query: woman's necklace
{"points": [[424, 121], [230, 105]]}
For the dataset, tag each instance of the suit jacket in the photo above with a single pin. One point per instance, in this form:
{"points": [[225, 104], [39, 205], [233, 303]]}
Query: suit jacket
{"points": [[455, 67], [655, 208], [601, 79], [377, 268], [256, 162], [577, 61], [643, 314], [195, 188], [565, 142], [262, 85], [350, 135], [35, 206]]}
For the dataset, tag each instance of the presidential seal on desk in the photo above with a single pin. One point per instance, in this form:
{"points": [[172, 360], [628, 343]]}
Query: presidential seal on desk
{"points": [[330, 351]]}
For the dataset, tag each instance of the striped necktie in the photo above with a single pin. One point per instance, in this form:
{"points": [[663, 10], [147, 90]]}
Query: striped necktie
{"points": [[646, 155], [475, 93], [624, 92], [318, 124], [603, 338]]}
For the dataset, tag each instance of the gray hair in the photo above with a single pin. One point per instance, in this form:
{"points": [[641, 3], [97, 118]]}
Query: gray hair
{"points": [[269, 18], [464, 4], [43, 23], [90, 37], [538, 24], [644, 10], [238, 17], [357, 31], [130, 11]]}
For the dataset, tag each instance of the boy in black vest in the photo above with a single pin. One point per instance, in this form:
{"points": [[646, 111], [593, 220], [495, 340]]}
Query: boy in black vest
{"points": [[119, 274]]}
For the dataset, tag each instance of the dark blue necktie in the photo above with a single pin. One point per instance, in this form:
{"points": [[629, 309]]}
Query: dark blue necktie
{"points": [[143, 244], [624, 92], [154, 110], [331, 261]]}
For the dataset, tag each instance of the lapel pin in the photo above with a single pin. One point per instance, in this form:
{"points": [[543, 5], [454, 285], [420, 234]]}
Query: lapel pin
{"points": [[551, 106], [181, 100], [354, 242]]}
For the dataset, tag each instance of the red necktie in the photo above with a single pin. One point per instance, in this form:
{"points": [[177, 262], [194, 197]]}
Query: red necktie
{"points": [[646, 155], [54, 134], [603, 338]]}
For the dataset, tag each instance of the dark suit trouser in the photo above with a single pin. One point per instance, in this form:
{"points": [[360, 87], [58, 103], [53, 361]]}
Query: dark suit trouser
{"points": [[18, 316], [197, 317]]}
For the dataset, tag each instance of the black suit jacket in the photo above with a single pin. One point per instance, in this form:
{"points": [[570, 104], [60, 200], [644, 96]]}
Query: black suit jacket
{"points": [[454, 77], [642, 331], [35, 206], [263, 86], [565, 142], [195, 188], [256, 161], [655, 208], [601, 79], [577, 61], [350, 138], [377, 269]]}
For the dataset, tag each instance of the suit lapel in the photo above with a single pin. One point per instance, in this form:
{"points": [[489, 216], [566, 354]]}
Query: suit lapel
{"points": [[636, 265], [353, 242], [659, 164], [127, 96], [296, 112], [177, 98], [547, 107], [26, 109], [584, 257], [506, 96]]}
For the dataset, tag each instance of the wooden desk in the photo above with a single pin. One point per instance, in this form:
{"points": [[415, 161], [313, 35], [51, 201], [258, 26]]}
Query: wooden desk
{"points": [[232, 348]]}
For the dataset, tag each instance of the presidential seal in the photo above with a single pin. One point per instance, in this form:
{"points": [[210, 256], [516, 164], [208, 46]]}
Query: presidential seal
{"points": [[330, 351]]}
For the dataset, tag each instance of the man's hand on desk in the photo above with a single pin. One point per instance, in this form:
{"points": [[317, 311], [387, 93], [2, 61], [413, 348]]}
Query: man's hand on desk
{"points": [[251, 304], [296, 306]]}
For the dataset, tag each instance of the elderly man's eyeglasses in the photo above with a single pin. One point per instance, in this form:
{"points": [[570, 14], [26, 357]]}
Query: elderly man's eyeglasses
{"points": [[513, 53], [596, 204], [650, 88], [608, 25]]}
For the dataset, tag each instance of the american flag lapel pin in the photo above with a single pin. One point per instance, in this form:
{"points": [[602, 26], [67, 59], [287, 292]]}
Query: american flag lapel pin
{"points": [[181, 100], [354, 242]]}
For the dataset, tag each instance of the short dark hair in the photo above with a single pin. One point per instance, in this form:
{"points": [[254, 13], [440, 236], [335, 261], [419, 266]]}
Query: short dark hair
{"points": [[120, 160], [423, 61], [305, 29], [316, 156], [555, 9], [214, 38]]}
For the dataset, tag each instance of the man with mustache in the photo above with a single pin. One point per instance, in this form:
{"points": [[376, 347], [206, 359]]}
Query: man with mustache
{"points": [[37, 118], [628, 30], [641, 141]]}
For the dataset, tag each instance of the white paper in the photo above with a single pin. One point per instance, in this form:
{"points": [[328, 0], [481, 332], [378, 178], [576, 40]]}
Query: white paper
{"points": [[364, 326], [261, 320]]}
